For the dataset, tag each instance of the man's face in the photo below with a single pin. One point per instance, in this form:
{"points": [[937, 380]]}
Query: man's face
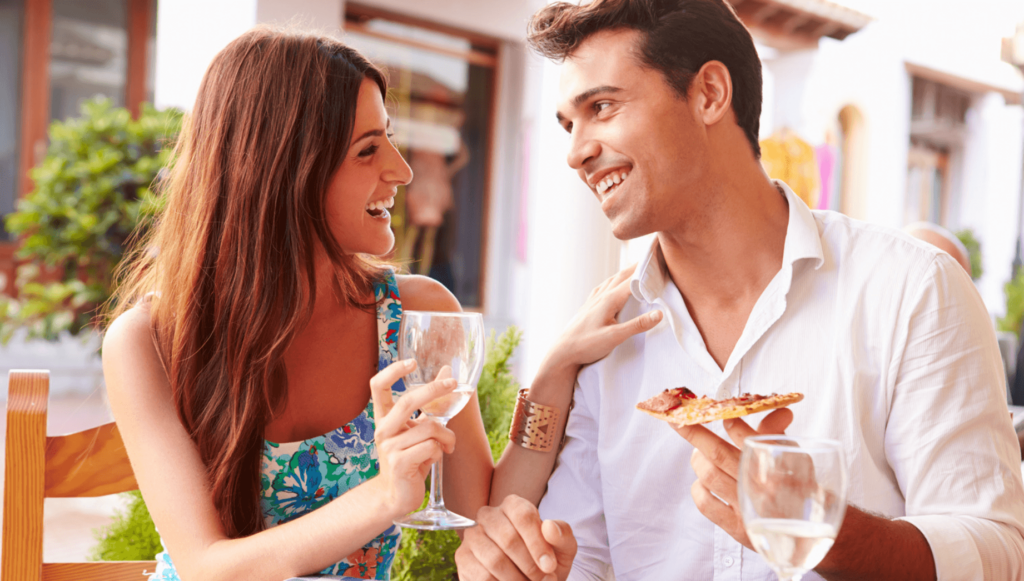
{"points": [[625, 120]]}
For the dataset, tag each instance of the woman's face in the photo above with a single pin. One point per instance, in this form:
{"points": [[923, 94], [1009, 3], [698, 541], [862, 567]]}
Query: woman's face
{"points": [[363, 187]]}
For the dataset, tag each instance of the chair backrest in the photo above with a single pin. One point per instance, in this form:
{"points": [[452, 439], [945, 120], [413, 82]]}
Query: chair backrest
{"points": [[88, 463]]}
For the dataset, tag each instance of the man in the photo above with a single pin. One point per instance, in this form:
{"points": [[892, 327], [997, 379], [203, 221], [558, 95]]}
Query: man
{"points": [[942, 239], [885, 336]]}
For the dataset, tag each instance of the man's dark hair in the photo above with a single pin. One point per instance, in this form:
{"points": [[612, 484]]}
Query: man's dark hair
{"points": [[677, 38]]}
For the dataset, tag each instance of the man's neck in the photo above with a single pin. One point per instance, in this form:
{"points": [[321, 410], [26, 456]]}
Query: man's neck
{"points": [[722, 261], [735, 248]]}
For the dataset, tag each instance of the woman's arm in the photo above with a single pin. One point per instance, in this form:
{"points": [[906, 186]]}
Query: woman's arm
{"points": [[591, 335], [467, 471], [173, 481]]}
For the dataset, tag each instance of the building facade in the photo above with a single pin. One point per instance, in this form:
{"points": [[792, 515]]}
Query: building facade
{"points": [[495, 213]]}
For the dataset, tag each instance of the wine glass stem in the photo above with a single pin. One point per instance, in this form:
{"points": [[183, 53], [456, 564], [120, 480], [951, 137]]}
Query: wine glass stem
{"points": [[436, 499]]}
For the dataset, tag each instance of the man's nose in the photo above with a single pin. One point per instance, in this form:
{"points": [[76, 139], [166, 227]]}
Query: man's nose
{"points": [[581, 150]]}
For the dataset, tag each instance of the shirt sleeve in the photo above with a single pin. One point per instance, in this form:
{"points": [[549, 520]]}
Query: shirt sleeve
{"points": [[574, 494], [949, 438]]}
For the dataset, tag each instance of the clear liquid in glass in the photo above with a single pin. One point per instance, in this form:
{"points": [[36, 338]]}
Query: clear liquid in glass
{"points": [[794, 546]]}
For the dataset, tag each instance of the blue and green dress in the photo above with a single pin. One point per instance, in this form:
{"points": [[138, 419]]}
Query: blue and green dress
{"points": [[300, 477]]}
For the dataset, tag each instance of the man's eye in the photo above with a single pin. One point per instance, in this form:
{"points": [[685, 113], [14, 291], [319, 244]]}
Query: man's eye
{"points": [[369, 151], [601, 106]]}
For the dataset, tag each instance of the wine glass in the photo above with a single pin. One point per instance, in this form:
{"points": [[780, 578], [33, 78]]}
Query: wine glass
{"points": [[438, 341], [792, 494]]}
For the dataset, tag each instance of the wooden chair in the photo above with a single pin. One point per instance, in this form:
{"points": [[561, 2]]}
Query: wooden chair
{"points": [[88, 463]]}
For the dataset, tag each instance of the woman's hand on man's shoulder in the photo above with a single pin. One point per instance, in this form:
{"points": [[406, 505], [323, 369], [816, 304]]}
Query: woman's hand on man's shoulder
{"points": [[421, 293]]}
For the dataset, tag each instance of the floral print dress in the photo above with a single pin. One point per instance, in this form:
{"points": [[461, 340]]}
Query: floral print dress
{"points": [[299, 477]]}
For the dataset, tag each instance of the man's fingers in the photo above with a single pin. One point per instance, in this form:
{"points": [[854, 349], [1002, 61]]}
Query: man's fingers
{"points": [[776, 422], [714, 479], [522, 515], [493, 557], [559, 534], [718, 451], [380, 386], [717, 511]]}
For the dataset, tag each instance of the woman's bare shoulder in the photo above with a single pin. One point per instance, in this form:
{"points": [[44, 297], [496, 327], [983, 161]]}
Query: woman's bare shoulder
{"points": [[130, 327], [129, 350], [420, 293]]}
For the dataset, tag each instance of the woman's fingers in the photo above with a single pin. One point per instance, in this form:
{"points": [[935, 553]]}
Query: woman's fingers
{"points": [[380, 386], [415, 399], [426, 428], [415, 461]]}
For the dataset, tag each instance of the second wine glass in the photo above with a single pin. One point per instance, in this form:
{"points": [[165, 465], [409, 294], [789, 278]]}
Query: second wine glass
{"points": [[440, 340], [792, 494]]}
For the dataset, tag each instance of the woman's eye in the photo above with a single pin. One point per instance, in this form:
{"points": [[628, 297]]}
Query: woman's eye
{"points": [[369, 151]]}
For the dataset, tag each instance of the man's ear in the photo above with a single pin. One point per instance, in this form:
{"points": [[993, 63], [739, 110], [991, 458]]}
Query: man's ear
{"points": [[712, 85]]}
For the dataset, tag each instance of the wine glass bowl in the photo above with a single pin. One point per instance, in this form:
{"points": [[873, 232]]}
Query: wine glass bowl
{"points": [[792, 494], [444, 345]]}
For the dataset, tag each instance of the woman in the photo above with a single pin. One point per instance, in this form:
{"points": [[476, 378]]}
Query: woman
{"points": [[257, 323]]}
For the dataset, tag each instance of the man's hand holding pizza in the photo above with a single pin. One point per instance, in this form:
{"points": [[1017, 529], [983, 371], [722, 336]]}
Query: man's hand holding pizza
{"points": [[511, 543], [717, 463]]}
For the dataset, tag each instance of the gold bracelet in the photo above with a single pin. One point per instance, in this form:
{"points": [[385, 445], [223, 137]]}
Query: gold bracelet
{"points": [[533, 425]]}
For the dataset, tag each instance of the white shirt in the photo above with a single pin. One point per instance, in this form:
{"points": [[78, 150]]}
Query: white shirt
{"points": [[891, 346]]}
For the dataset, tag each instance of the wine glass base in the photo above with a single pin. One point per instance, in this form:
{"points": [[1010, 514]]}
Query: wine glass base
{"points": [[435, 520]]}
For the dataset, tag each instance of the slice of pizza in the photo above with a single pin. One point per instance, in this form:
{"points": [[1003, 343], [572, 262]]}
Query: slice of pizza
{"points": [[682, 407]]}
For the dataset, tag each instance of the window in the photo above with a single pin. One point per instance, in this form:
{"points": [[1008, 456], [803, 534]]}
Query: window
{"points": [[441, 100], [10, 106]]}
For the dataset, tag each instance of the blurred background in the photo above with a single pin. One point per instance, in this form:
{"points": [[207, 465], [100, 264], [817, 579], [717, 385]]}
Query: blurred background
{"points": [[890, 111]]}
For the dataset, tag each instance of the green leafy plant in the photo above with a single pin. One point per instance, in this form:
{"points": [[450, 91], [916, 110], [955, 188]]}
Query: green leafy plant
{"points": [[91, 191], [1014, 290], [966, 236], [130, 537], [430, 556]]}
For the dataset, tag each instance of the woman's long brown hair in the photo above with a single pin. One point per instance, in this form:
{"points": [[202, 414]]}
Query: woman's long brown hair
{"points": [[229, 262]]}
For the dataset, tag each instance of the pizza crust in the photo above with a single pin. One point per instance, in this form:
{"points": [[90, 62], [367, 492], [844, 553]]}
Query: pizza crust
{"points": [[692, 410]]}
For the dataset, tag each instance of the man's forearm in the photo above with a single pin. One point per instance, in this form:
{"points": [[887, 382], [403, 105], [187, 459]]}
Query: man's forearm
{"points": [[525, 472], [874, 548]]}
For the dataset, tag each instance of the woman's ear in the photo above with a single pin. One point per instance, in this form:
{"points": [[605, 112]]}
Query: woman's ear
{"points": [[712, 85]]}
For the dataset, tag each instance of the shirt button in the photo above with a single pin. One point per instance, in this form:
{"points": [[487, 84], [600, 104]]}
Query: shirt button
{"points": [[727, 561]]}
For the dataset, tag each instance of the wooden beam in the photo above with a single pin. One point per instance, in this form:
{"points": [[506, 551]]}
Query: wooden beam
{"points": [[475, 57], [764, 13], [35, 88], [356, 12], [99, 571], [140, 15], [794, 22], [25, 466]]}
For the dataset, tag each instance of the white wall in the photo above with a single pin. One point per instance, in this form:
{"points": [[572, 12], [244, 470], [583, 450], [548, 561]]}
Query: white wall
{"points": [[191, 32], [570, 248], [991, 190]]}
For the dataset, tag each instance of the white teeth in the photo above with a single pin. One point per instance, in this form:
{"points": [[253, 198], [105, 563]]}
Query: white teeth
{"points": [[381, 204], [610, 181]]}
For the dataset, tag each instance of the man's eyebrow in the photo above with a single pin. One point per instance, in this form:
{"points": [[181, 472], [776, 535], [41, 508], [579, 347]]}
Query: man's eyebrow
{"points": [[590, 93], [586, 96]]}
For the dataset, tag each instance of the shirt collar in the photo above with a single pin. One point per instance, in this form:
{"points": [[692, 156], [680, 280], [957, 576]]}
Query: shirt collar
{"points": [[802, 241]]}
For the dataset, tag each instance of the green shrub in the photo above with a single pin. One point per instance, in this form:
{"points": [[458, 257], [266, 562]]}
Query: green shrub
{"points": [[1014, 290], [91, 191], [966, 236], [131, 537]]}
